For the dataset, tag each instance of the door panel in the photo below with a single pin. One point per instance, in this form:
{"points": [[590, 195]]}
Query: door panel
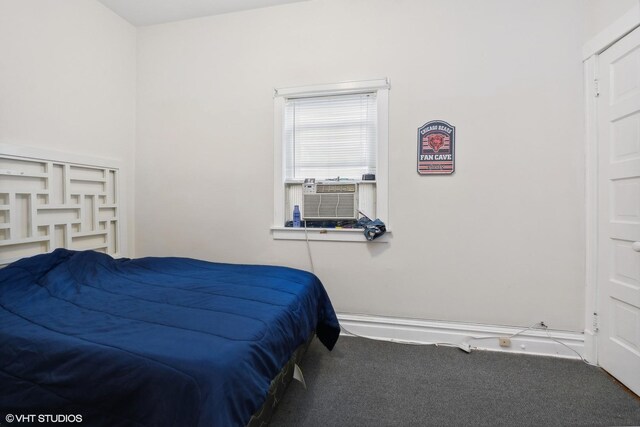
{"points": [[625, 200], [625, 139]]}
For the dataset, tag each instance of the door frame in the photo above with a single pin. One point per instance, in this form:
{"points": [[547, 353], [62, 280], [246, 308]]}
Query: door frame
{"points": [[590, 56]]}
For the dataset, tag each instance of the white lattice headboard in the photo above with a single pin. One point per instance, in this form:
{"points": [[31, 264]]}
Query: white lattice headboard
{"points": [[48, 203]]}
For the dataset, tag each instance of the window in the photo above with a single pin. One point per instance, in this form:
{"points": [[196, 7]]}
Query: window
{"points": [[330, 133]]}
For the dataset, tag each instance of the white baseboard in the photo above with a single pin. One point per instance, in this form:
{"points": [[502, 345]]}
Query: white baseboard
{"points": [[464, 335]]}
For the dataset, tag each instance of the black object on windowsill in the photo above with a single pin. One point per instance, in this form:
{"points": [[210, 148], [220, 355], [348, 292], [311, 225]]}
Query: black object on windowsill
{"points": [[372, 229]]}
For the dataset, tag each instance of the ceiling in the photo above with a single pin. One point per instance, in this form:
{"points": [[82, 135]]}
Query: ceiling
{"points": [[149, 12]]}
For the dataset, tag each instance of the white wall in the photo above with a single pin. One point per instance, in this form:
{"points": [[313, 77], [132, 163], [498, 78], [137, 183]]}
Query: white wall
{"points": [[67, 81], [499, 242], [601, 13]]}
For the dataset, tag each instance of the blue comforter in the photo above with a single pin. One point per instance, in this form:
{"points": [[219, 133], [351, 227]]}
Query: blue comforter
{"points": [[151, 341]]}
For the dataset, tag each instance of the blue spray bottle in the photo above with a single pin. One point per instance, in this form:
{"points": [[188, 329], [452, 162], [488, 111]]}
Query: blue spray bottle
{"points": [[296, 216]]}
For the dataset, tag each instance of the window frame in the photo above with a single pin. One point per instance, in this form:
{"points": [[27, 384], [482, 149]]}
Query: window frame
{"points": [[381, 88]]}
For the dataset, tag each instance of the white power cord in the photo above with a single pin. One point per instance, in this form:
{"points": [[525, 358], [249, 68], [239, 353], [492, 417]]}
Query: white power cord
{"points": [[465, 346], [560, 342], [462, 346], [306, 236], [539, 325], [510, 336]]}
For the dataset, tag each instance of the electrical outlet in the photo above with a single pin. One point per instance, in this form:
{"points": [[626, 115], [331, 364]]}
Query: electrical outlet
{"points": [[504, 341]]}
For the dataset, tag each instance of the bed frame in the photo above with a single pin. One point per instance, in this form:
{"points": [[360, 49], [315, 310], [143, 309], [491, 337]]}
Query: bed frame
{"points": [[278, 386], [47, 202]]}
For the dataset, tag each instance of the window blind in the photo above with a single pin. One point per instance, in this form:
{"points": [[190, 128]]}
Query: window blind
{"points": [[330, 136]]}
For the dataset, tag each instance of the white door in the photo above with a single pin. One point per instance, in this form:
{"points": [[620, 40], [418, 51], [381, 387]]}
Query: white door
{"points": [[619, 210]]}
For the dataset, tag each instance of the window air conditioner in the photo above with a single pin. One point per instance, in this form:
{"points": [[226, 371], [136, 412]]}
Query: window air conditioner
{"points": [[330, 201]]}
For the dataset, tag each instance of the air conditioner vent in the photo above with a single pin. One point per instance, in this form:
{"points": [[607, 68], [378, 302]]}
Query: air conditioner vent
{"points": [[330, 206]]}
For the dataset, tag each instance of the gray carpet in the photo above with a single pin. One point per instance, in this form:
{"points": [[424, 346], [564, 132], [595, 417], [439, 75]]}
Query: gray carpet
{"points": [[373, 383]]}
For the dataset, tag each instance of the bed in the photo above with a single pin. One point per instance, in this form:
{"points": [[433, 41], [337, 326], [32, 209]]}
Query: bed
{"points": [[152, 341]]}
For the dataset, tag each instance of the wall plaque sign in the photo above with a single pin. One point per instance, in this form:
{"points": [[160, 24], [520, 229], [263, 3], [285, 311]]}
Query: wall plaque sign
{"points": [[436, 148]]}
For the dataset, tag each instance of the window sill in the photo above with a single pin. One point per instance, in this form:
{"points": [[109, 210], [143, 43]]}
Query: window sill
{"points": [[326, 234]]}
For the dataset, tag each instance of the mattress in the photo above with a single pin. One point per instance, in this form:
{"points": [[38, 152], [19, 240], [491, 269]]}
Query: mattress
{"points": [[151, 341]]}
